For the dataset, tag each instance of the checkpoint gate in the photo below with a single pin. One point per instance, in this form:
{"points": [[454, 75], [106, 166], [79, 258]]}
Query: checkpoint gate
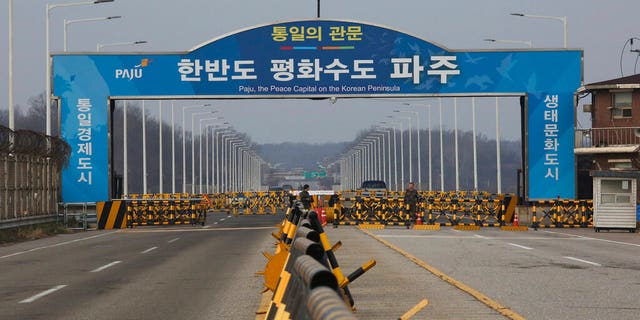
{"points": [[318, 58]]}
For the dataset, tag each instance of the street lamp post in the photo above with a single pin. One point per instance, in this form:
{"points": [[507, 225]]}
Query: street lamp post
{"points": [[47, 93], [144, 150], [99, 46], [184, 160], [561, 19], [417, 117], [11, 108], [207, 151], [193, 149], [68, 22], [529, 43]]}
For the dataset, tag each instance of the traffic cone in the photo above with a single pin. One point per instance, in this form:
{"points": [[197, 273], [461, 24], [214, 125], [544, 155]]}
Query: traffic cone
{"points": [[323, 216], [515, 220], [419, 219]]}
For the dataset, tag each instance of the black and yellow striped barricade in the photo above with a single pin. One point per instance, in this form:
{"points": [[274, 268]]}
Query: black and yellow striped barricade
{"points": [[111, 215]]}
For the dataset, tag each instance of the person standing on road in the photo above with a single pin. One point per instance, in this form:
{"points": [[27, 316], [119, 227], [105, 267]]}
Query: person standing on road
{"points": [[411, 199], [305, 197]]}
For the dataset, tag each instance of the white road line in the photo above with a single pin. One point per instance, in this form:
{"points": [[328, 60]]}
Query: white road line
{"points": [[173, 240], [456, 231], [56, 245], [109, 265], [215, 222], [590, 238], [519, 246], [479, 236], [223, 219], [43, 293], [206, 227], [584, 261], [149, 250]]}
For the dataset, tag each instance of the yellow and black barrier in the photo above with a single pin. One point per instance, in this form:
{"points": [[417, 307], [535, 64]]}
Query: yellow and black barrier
{"points": [[308, 254], [473, 209], [111, 215], [166, 209], [562, 214]]}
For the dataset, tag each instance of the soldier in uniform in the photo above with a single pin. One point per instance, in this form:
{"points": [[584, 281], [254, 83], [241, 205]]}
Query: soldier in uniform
{"points": [[305, 197], [411, 199]]}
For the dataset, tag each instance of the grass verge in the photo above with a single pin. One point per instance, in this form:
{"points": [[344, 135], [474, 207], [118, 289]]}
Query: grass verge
{"points": [[32, 232]]}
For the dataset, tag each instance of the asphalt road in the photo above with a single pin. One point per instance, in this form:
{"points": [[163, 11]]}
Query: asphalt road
{"points": [[545, 274], [181, 272]]}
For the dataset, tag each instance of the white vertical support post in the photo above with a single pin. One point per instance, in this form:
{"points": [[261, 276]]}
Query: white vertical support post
{"points": [[160, 147], [475, 150], [455, 143], [173, 149], [125, 152], [430, 162], [498, 162], [441, 150], [144, 150]]}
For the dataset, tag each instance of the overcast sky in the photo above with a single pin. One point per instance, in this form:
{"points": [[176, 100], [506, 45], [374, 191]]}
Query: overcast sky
{"points": [[599, 27]]}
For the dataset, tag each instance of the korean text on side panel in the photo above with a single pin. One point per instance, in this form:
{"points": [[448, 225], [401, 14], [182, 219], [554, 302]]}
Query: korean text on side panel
{"points": [[551, 131], [85, 144]]}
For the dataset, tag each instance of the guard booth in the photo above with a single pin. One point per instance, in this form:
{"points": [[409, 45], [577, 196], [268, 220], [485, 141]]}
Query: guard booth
{"points": [[615, 195]]}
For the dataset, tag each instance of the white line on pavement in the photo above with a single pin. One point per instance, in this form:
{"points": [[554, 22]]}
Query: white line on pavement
{"points": [[223, 219], [57, 245], [215, 222], [590, 238], [207, 226], [584, 261], [43, 293], [149, 250], [519, 246], [173, 240], [109, 265], [479, 236]]}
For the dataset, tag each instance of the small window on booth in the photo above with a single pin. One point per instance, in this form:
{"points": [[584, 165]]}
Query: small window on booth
{"points": [[615, 191], [621, 104], [620, 164]]}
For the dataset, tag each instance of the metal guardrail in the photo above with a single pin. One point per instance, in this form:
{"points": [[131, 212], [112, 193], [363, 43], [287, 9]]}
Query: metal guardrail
{"points": [[77, 216]]}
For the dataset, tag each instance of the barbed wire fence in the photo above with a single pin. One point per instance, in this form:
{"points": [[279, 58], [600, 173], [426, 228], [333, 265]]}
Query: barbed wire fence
{"points": [[30, 166]]}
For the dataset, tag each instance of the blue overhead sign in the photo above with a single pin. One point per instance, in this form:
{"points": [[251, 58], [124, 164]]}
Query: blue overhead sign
{"points": [[320, 58]]}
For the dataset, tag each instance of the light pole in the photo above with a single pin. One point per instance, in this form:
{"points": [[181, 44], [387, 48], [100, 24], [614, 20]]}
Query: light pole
{"points": [[455, 142], [200, 150], [417, 117], [529, 43], [47, 93], [184, 161], [561, 19], [125, 152], [160, 146], [193, 149], [401, 150], [11, 109], [99, 46], [498, 164], [144, 150], [68, 22], [441, 149]]}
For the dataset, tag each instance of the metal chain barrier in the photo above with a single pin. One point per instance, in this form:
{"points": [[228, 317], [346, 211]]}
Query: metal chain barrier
{"points": [[563, 214]]}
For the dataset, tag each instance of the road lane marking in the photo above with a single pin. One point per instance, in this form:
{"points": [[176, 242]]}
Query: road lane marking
{"points": [[597, 239], [479, 236], [584, 261], [519, 246], [206, 227], [223, 219], [57, 245], [149, 250], [476, 294], [109, 265], [215, 222], [173, 240], [197, 230], [43, 293]]}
